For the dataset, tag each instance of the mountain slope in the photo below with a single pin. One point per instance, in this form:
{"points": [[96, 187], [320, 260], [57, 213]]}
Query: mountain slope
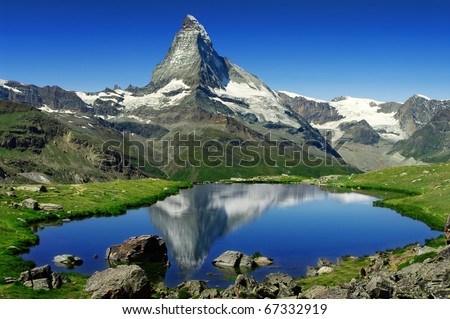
{"points": [[430, 143], [40, 147], [417, 111]]}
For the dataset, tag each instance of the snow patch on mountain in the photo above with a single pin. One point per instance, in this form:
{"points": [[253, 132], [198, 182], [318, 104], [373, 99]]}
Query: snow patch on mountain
{"points": [[422, 96], [45, 108], [3, 84], [294, 95], [169, 95], [262, 102], [357, 109]]}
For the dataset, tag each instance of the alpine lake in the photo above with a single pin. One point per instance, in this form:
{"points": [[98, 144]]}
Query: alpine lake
{"points": [[293, 224]]}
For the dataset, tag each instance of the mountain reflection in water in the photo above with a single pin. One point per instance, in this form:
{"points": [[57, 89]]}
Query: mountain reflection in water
{"points": [[193, 220]]}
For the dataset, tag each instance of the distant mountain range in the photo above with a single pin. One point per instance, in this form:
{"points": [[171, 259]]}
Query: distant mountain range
{"points": [[194, 89]]}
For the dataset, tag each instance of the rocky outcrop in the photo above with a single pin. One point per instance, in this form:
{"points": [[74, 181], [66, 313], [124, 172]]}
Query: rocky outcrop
{"points": [[431, 142], [359, 132], [316, 112], [417, 111], [123, 282], [389, 107], [42, 278], [429, 279], [276, 285], [146, 248], [53, 97], [30, 203]]}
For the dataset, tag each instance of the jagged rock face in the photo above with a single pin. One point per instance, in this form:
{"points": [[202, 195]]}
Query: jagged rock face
{"points": [[389, 107], [359, 132], [192, 59], [313, 111], [417, 111], [53, 97], [431, 143]]}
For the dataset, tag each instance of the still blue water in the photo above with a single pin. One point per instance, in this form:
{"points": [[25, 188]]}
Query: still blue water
{"points": [[293, 224]]}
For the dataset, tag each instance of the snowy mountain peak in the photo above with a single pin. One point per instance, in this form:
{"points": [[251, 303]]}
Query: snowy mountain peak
{"points": [[422, 96], [191, 24]]}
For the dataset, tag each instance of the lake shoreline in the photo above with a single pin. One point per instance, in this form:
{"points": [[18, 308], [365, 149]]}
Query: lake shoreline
{"points": [[11, 263]]}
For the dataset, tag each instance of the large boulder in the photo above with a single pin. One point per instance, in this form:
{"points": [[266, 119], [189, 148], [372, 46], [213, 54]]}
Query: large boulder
{"points": [[42, 278], [39, 284], [36, 273], [229, 258], [30, 203], [234, 259], [123, 282], [146, 248]]}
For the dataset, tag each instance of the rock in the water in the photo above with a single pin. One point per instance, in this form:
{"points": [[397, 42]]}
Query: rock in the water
{"points": [[229, 258], [246, 262], [51, 207], [125, 281], [234, 259], [146, 248], [30, 203], [67, 260], [193, 288], [263, 261]]}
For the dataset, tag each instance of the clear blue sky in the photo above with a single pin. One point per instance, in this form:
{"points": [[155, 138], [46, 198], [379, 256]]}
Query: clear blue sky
{"points": [[382, 49]]}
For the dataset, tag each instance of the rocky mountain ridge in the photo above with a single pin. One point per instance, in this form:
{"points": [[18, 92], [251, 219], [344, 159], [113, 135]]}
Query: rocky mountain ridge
{"points": [[196, 89]]}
